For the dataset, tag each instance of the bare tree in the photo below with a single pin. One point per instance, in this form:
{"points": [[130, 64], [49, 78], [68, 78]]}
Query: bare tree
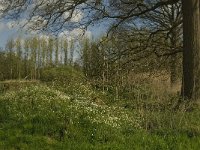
{"points": [[168, 21], [51, 16], [56, 51], [19, 56], [10, 48], [26, 57], [65, 49]]}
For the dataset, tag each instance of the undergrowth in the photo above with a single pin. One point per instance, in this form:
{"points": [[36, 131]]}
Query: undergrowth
{"points": [[70, 114]]}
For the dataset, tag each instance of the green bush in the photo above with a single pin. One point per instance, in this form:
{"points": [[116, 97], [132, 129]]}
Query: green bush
{"points": [[62, 75]]}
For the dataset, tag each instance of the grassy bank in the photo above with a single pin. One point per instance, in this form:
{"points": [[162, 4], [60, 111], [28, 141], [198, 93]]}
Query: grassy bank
{"points": [[53, 115]]}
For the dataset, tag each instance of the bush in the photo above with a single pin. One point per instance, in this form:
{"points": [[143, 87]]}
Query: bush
{"points": [[61, 75]]}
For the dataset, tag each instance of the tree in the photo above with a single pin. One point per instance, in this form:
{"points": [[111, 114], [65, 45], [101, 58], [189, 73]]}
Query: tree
{"points": [[167, 20], [38, 57], [4, 65], [50, 51], [85, 56], [56, 51], [124, 12], [72, 49], [191, 49], [44, 51], [65, 49], [10, 48], [19, 56], [34, 51], [26, 57]]}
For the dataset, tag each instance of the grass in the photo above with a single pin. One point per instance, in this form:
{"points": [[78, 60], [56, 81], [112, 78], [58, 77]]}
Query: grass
{"points": [[74, 116]]}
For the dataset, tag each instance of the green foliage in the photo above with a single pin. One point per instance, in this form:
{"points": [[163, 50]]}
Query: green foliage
{"points": [[61, 75], [42, 117], [9, 66], [65, 112], [42, 112]]}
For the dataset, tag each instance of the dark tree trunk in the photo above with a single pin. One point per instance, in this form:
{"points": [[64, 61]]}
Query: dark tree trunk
{"points": [[191, 49]]}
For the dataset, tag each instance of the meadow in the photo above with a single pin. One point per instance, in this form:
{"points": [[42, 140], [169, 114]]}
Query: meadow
{"points": [[64, 111]]}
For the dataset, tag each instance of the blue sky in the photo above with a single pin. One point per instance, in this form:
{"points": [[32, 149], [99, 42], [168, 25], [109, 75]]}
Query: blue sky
{"points": [[7, 32]]}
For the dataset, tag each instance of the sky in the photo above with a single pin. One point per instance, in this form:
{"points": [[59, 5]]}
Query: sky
{"points": [[8, 31]]}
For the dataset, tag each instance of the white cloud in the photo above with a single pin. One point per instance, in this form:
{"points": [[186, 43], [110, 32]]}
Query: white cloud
{"points": [[75, 34], [11, 24], [76, 17], [15, 23]]}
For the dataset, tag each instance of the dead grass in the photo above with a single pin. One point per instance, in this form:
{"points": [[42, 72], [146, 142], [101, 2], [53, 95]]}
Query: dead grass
{"points": [[159, 83]]}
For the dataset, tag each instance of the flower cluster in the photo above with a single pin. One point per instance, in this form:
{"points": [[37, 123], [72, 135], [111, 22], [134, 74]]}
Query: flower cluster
{"points": [[45, 102]]}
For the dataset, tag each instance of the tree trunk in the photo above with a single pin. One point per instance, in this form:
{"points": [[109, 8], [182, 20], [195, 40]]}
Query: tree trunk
{"points": [[191, 49]]}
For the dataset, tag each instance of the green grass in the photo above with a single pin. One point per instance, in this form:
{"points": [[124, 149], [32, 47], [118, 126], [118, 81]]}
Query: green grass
{"points": [[40, 117], [17, 139], [74, 116]]}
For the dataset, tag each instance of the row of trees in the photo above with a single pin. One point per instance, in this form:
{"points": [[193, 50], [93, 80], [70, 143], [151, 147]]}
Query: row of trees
{"points": [[25, 58], [108, 62], [180, 14]]}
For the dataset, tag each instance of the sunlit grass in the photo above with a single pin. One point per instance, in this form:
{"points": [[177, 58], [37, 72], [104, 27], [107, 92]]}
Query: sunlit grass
{"points": [[75, 116]]}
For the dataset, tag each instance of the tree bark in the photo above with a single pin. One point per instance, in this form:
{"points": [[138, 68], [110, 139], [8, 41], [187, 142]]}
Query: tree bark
{"points": [[191, 49]]}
